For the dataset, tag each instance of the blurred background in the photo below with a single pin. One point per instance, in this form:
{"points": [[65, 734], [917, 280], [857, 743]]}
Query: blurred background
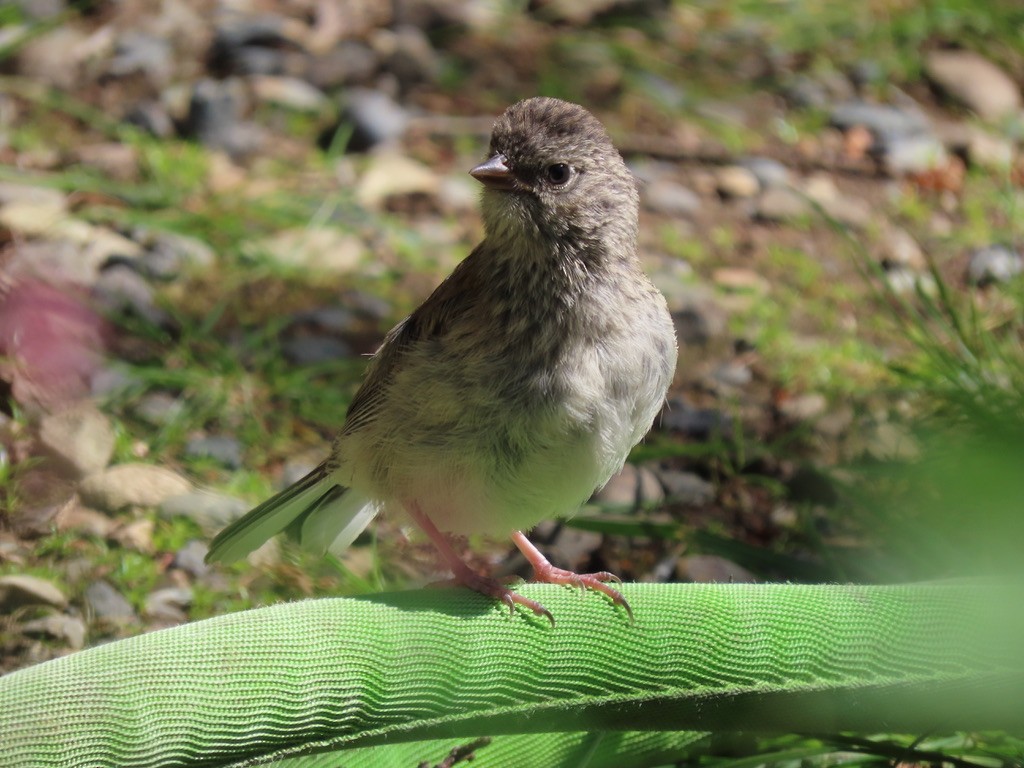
{"points": [[211, 212]]}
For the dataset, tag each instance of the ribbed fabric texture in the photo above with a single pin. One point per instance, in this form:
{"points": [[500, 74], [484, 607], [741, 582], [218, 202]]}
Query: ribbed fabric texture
{"points": [[444, 666]]}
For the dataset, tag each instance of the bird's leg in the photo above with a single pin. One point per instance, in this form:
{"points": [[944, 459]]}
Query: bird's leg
{"points": [[465, 575], [544, 571]]}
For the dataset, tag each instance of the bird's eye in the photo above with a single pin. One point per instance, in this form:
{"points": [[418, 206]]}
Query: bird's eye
{"points": [[559, 173]]}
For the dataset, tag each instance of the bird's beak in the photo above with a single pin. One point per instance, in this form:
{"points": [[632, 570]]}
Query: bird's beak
{"points": [[494, 174]]}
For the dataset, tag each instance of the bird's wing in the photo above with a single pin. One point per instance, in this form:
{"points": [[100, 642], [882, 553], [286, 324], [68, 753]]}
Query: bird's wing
{"points": [[455, 296]]}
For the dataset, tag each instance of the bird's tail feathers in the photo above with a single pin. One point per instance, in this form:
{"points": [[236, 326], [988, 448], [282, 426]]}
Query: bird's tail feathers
{"points": [[316, 510]]}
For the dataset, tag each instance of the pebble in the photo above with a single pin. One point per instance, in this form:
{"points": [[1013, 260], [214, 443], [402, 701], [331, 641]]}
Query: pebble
{"points": [[121, 290], [18, 590], [151, 117], [350, 62], [974, 81], [211, 511], [136, 535], [168, 254], [158, 408], [735, 181], [314, 349], [914, 154], [668, 197], [79, 437], [132, 485], [224, 449], [140, 53], [768, 172], [899, 247], [214, 118], [806, 407], [686, 488], [168, 605], [993, 264], [289, 92], [903, 280], [621, 488], [85, 521], [107, 606], [327, 249], [191, 558], [781, 204], [69, 629], [393, 175], [885, 122], [373, 118], [407, 55], [712, 569], [700, 424]]}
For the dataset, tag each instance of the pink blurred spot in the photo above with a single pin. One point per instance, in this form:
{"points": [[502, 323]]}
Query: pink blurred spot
{"points": [[51, 342]]}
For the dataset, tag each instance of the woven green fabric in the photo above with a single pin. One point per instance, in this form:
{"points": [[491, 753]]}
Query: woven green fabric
{"points": [[444, 666]]}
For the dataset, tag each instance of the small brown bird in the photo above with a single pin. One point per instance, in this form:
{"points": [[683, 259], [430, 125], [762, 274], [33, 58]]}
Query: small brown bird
{"points": [[520, 385]]}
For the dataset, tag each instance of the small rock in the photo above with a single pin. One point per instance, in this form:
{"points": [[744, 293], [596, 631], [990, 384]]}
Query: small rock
{"points": [[89, 522], [805, 92], [408, 55], [191, 558], [168, 605], [886, 123], [899, 247], [151, 117], [69, 629], [351, 62], [33, 217], [392, 175], [649, 490], [80, 437], [132, 485], [670, 198], [781, 204], [158, 408], [914, 154], [289, 92], [700, 424], [994, 264], [121, 290], [768, 172], [711, 569], [108, 606], [297, 467], [55, 57], [372, 117], [18, 590], [733, 374], [974, 81], [211, 511], [904, 281], [139, 53], [215, 118], [168, 254], [686, 488], [736, 181], [321, 248], [805, 407], [224, 449], [621, 490], [136, 535], [315, 349]]}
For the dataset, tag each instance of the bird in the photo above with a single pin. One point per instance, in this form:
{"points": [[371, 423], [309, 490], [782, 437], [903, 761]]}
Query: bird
{"points": [[519, 387]]}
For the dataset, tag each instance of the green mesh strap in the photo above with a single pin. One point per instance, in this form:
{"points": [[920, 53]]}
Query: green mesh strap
{"points": [[445, 666]]}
